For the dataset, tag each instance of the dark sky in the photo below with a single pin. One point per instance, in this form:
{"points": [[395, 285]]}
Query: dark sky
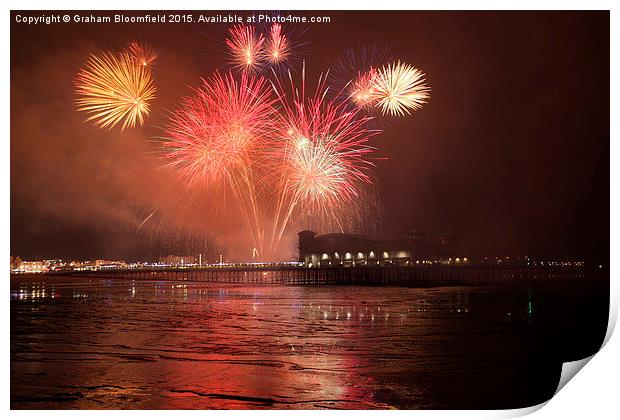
{"points": [[511, 153]]}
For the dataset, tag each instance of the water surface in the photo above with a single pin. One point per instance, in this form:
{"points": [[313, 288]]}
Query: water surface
{"points": [[97, 343]]}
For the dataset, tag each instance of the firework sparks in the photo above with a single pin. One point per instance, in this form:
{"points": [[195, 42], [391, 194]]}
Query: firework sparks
{"points": [[246, 47], [278, 45], [399, 89], [143, 53], [114, 89]]}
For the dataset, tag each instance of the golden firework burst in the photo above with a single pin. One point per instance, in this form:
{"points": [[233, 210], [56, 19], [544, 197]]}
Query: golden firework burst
{"points": [[114, 89], [400, 88]]}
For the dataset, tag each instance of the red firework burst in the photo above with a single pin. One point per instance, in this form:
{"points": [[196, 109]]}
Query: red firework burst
{"points": [[217, 131]]}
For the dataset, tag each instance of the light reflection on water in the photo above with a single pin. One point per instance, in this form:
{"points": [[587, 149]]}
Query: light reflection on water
{"points": [[95, 343]]}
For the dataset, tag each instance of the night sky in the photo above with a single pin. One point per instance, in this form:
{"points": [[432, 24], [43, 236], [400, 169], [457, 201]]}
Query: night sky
{"points": [[511, 154]]}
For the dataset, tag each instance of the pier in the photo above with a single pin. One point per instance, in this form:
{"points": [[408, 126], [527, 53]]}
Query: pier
{"points": [[415, 276]]}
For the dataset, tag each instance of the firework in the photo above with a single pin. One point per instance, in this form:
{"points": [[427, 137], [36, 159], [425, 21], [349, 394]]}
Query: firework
{"points": [[143, 53], [318, 172], [361, 90], [217, 137], [278, 45], [355, 65], [323, 172], [399, 88], [114, 89], [326, 152], [217, 130], [321, 160], [246, 47]]}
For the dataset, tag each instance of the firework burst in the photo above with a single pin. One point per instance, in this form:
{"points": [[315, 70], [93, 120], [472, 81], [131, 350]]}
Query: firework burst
{"points": [[321, 158], [325, 152], [399, 88], [318, 172], [361, 90], [113, 89], [219, 129], [278, 45], [246, 47]]}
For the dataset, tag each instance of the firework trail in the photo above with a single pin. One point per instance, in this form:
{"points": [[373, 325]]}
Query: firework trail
{"points": [[321, 157], [399, 89], [217, 136], [145, 220], [143, 53], [246, 47], [114, 89]]}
